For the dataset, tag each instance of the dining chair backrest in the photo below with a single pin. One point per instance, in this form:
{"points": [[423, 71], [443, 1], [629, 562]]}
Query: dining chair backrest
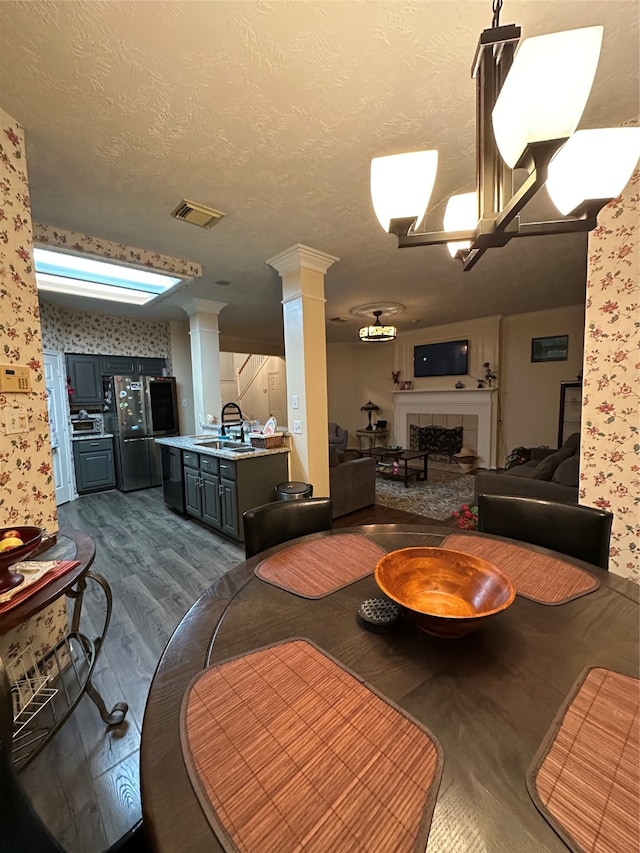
{"points": [[21, 828], [578, 531], [270, 524]]}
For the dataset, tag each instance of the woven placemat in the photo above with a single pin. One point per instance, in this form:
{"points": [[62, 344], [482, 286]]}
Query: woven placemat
{"points": [[36, 575], [585, 777], [287, 750], [539, 577], [315, 569]]}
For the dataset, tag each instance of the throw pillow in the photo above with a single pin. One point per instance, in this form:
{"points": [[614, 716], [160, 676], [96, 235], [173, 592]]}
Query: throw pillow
{"points": [[568, 472], [333, 457], [544, 469]]}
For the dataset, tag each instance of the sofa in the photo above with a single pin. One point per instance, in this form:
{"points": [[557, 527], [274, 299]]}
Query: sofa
{"points": [[551, 475], [352, 481], [338, 437]]}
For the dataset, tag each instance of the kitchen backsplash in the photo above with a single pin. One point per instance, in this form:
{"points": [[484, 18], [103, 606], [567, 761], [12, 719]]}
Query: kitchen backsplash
{"points": [[68, 331]]}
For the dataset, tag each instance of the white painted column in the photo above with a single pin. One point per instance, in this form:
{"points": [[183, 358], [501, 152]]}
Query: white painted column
{"points": [[205, 357], [302, 270]]}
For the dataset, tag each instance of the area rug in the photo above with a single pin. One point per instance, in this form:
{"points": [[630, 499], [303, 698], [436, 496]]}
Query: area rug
{"points": [[443, 493]]}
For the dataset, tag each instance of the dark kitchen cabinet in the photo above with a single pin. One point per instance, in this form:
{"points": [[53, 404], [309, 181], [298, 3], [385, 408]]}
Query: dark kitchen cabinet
{"points": [[120, 365], [217, 491], [84, 374], [132, 365], [149, 366], [94, 466]]}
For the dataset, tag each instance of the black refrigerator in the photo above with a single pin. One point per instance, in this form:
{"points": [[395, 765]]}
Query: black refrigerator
{"points": [[139, 409]]}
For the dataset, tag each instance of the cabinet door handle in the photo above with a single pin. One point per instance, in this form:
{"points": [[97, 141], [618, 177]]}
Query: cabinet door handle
{"points": [[220, 489]]}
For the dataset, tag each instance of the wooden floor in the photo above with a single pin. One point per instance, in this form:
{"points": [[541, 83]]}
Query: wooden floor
{"points": [[85, 783]]}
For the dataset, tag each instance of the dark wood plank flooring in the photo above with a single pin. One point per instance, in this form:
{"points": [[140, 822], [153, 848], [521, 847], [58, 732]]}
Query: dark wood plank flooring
{"points": [[85, 783]]}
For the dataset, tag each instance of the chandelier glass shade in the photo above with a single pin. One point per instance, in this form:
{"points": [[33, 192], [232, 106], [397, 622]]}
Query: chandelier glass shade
{"points": [[529, 104], [377, 333], [546, 90], [592, 164], [401, 185], [461, 212]]}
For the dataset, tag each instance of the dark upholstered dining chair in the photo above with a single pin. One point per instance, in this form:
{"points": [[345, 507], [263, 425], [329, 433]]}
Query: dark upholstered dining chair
{"points": [[279, 521], [579, 531], [21, 828]]}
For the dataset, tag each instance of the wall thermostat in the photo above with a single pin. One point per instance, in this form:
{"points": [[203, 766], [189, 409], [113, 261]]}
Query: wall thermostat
{"points": [[14, 378]]}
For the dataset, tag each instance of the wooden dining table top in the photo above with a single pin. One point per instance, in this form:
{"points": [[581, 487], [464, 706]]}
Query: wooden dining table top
{"points": [[489, 697]]}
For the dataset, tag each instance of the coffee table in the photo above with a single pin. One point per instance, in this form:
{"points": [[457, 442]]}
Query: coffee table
{"points": [[400, 455]]}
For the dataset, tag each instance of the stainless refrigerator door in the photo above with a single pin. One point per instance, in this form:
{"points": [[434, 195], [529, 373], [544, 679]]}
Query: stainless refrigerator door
{"points": [[129, 400], [134, 466], [162, 407]]}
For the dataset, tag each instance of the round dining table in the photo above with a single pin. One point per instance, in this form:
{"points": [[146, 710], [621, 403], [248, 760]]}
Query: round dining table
{"points": [[488, 697]]}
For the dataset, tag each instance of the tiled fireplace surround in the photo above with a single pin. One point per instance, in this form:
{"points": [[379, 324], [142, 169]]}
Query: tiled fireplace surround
{"points": [[473, 410]]}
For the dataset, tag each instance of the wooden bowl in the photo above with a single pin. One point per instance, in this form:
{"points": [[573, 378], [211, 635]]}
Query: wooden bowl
{"points": [[31, 536], [446, 593]]}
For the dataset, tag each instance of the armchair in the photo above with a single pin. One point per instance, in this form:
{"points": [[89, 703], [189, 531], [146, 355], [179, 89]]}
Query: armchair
{"points": [[338, 437]]}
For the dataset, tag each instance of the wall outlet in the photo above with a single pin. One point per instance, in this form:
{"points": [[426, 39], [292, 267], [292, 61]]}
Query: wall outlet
{"points": [[294, 401], [184, 402], [15, 421], [297, 427]]}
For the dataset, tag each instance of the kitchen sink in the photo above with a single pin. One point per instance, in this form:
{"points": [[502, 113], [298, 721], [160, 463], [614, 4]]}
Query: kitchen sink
{"points": [[221, 444]]}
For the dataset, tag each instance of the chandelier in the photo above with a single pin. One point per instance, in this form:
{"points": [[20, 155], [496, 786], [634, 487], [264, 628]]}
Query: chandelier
{"points": [[378, 333], [529, 104]]}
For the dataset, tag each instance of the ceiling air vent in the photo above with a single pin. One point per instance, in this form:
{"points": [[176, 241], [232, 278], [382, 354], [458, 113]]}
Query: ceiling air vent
{"points": [[197, 214]]}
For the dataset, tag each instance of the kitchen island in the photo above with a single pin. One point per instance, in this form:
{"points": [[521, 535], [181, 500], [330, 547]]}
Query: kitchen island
{"points": [[215, 484]]}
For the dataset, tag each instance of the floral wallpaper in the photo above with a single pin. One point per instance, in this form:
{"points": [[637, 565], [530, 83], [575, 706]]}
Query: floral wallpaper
{"points": [[47, 235], [27, 492], [610, 454], [70, 331]]}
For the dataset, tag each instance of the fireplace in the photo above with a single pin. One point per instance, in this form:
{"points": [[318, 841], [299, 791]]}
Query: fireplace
{"points": [[475, 410]]}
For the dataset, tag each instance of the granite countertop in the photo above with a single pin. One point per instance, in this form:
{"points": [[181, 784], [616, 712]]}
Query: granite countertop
{"points": [[93, 437], [186, 442]]}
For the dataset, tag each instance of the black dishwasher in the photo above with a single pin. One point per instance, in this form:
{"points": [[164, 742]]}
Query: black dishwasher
{"points": [[172, 479]]}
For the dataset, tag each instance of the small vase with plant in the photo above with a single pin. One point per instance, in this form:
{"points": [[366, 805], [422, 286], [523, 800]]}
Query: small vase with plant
{"points": [[489, 376], [395, 375]]}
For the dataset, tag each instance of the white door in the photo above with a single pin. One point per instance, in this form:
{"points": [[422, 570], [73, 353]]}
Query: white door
{"points": [[58, 423], [275, 398]]}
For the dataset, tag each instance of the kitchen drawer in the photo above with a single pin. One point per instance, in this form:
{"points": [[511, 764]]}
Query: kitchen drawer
{"points": [[191, 460], [118, 364], [227, 469], [92, 445], [209, 464]]}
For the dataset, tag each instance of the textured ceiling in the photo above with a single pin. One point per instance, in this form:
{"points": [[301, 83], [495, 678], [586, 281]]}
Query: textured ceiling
{"points": [[271, 112]]}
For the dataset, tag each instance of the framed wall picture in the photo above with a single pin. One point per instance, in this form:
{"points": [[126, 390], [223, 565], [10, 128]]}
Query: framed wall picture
{"points": [[550, 349], [406, 386]]}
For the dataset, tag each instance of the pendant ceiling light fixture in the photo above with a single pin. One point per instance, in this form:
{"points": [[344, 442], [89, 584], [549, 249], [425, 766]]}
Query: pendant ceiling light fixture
{"points": [[529, 104], [378, 333]]}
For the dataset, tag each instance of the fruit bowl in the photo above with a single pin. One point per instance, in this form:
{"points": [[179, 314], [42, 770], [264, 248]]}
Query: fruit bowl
{"points": [[31, 538], [445, 593]]}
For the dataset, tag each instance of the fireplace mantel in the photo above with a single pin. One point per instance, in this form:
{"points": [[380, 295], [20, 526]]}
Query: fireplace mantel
{"points": [[473, 401]]}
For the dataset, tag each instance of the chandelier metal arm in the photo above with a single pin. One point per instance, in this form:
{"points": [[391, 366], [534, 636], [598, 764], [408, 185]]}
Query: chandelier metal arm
{"points": [[435, 238]]}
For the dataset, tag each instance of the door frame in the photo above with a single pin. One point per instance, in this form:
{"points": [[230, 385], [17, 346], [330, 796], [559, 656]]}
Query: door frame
{"points": [[66, 491]]}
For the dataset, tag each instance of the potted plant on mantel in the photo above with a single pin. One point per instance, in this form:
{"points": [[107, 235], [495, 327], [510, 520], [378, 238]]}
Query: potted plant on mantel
{"points": [[489, 376]]}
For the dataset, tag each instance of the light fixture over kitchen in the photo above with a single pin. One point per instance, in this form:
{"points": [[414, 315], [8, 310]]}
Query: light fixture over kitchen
{"points": [[59, 272], [529, 104]]}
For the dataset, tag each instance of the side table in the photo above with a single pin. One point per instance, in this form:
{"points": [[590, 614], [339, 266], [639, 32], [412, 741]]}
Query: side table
{"points": [[46, 692], [373, 435]]}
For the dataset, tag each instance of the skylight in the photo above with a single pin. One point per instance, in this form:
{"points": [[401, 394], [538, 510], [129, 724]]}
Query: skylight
{"points": [[57, 272]]}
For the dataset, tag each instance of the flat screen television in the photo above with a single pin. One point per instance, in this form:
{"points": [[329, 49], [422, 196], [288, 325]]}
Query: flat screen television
{"points": [[449, 358]]}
